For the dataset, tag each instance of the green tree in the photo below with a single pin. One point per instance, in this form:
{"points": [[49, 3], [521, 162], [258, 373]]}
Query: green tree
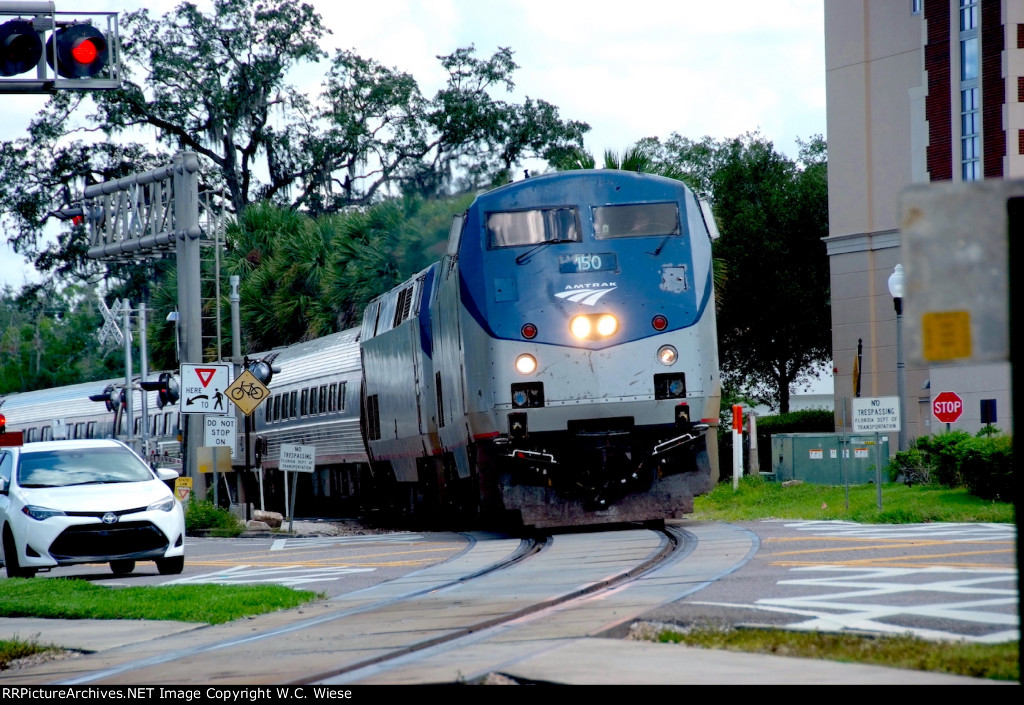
{"points": [[211, 83], [774, 323], [48, 339]]}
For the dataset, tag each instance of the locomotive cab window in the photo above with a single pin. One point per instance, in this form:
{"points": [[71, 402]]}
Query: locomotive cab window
{"points": [[636, 220], [533, 227]]}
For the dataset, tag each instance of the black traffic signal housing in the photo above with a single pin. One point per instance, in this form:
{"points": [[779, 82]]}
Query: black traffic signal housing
{"points": [[3, 424], [43, 50], [263, 370], [77, 50], [114, 398], [166, 388], [20, 47]]}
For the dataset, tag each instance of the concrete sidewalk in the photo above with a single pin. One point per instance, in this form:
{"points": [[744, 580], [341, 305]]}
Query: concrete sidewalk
{"points": [[590, 661]]}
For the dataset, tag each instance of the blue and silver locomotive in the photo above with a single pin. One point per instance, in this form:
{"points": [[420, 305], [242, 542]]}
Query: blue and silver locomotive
{"points": [[560, 362]]}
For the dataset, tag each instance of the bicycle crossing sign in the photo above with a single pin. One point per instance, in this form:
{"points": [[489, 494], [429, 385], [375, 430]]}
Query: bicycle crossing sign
{"points": [[247, 392], [204, 388]]}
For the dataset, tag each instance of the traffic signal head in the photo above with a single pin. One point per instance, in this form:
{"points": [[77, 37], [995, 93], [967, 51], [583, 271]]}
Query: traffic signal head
{"points": [[80, 51], [262, 370], [168, 392], [3, 423], [20, 47], [108, 396]]}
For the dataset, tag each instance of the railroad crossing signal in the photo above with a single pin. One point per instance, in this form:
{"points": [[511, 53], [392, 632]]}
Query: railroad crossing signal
{"points": [[77, 54], [247, 392], [110, 329]]}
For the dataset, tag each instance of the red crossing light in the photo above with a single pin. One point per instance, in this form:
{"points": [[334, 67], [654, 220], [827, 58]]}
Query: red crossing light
{"points": [[81, 51]]}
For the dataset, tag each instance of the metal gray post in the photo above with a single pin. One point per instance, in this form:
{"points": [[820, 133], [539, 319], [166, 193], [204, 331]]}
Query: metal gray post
{"points": [[126, 311], [144, 374], [186, 215], [236, 327]]}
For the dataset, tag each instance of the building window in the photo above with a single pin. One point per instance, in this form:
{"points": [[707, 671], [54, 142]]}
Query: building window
{"points": [[916, 6], [970, 119]]}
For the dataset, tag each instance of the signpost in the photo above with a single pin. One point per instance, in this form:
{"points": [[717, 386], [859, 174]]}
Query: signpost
{"points": [[295, 459], [203, 388], [947, 407], [221, 433], [877, 415], [247, 393]]}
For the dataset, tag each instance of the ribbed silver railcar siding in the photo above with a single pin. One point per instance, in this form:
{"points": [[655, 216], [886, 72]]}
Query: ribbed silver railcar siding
{"points": [[336, 435]]}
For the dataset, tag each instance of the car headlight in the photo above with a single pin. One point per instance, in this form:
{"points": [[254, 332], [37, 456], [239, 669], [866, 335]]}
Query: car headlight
{"points": [[164, 505], [40, 513]]}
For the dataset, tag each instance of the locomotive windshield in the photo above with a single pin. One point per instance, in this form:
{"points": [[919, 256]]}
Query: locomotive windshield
{"points": [[636, 220], [532, 227]]}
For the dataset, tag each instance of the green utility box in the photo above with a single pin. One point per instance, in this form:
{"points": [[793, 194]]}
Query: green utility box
{"points": [[828, 458]]}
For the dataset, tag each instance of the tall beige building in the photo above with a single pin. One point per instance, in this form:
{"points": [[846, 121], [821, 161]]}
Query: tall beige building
{"points": [[917, 91]]}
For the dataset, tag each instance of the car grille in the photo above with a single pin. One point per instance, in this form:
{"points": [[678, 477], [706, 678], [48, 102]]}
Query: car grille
{"points": [[130, 539]]}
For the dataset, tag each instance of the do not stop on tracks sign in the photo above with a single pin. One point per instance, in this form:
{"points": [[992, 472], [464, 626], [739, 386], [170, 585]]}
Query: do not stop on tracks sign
{"points": [[947, 407]]}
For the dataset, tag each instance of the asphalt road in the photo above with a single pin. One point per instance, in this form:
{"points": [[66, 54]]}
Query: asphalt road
{"points": [[936, 580]]}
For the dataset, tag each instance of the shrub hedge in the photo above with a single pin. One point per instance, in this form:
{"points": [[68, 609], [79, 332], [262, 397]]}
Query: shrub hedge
{"points": [[983, 464]]}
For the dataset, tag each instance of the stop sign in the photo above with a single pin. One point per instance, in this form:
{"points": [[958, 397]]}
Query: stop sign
{"points": [[947, 407]]}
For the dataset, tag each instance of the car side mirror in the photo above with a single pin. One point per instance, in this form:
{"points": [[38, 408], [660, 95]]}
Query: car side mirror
{"points": [[3, 485], [166, 474]]}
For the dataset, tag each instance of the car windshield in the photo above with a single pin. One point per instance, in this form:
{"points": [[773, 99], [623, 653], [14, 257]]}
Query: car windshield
{"points": [[80, 466]]}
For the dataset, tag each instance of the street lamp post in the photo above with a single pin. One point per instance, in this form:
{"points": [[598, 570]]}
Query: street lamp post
{"points": [[896, 289]]}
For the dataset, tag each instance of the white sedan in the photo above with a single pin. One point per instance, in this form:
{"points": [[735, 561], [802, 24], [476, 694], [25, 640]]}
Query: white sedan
{"points": [[86, 501]]}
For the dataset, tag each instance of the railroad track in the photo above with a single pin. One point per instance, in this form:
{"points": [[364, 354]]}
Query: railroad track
{"points": [[500, 601]]}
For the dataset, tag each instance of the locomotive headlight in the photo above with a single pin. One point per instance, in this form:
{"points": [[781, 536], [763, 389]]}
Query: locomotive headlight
{"points": [[580, 327], [526, 364], [607, 325], [667, 355]]}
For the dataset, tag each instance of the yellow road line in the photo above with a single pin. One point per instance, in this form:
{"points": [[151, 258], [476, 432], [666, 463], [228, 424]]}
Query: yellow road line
{"points": [[866, 539], [915, 544], [868, 564]]}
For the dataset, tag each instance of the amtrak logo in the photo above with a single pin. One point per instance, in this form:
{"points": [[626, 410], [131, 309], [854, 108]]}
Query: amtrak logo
{"points": [[586, 294]]}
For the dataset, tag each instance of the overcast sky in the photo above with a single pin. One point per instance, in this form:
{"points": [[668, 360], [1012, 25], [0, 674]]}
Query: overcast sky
{"points": [[631, 69]]}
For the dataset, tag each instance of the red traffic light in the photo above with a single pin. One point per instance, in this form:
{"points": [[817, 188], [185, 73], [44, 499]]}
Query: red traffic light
{"points": [[81, 51], [20, 47]]}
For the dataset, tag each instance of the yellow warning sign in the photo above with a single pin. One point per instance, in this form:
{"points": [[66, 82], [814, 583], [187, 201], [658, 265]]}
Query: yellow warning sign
{"points": [[946, 335], [183, 488], [247, 392]]}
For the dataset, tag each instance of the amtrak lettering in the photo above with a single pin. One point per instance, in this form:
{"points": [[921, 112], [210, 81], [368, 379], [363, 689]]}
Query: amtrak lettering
{"points": [[586, 294]]}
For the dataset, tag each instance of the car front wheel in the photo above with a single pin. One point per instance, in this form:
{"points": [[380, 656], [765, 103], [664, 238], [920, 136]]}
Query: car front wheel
{"points": [[14, 569], [170, 566]]}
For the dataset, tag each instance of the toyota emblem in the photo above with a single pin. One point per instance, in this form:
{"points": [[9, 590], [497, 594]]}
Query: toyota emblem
{"points": [[109, 518]]}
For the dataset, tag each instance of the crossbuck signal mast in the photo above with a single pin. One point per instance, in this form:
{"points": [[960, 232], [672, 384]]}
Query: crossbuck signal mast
{"points": [[154, 214]]}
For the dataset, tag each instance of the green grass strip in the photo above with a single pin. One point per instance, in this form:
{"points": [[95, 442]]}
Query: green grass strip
{"points": [[757, 498], [64, 598], [993, 661]]}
